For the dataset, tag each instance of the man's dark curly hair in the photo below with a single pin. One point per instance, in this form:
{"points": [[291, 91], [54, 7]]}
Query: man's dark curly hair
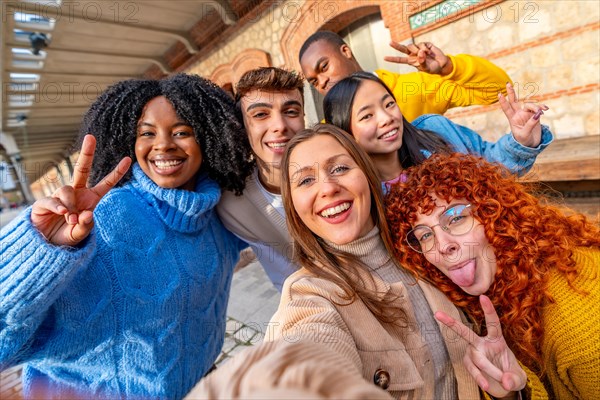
{"points": [[114, 116]]}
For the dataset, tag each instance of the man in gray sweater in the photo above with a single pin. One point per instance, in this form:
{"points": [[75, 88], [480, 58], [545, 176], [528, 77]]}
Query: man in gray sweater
{"points": [[271, 103]]}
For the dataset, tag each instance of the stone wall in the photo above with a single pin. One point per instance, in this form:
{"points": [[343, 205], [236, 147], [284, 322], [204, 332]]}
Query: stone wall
{"points": [[551, 51], [550, 48], [264, 34]]}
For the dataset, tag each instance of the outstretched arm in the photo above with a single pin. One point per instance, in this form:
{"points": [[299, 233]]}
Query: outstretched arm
{"points": [[33, 271], [489, 359], [450, 81], [506, 150], [287, 370], [66, 217]]}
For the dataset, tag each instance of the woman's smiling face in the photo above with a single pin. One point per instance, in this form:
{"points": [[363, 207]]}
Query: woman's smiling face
{"points": [[329, 191], [376, 121], [166, 147]]}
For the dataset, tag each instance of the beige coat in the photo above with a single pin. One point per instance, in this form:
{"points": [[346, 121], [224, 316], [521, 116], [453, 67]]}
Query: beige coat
{"points": [[307, 311], [316, 349], [283, 370]]}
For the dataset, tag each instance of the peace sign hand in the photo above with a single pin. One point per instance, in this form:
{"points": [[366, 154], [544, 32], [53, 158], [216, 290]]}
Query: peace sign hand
{"points": [[66, 217], [524, 118], [488, 359], [424, 56]]}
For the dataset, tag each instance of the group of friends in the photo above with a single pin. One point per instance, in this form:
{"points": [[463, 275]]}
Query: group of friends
{"points": [[411, 261]]}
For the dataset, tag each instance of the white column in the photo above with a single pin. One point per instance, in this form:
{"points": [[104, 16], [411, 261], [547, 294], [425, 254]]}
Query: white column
{"points": [[12, 151]]}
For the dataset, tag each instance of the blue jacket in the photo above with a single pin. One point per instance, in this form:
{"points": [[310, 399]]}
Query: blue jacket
{"points": [[516, 157], [136, 311]]}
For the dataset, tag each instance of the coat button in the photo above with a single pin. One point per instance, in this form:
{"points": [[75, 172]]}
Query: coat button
{"points": [[382, 378]]}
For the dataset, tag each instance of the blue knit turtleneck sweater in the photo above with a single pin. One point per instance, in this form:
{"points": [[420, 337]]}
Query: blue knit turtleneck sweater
{"points": [[136, 311]]}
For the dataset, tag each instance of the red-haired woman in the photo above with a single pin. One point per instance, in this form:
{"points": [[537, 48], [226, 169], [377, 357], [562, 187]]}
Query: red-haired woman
{"points": [[470, 228]]}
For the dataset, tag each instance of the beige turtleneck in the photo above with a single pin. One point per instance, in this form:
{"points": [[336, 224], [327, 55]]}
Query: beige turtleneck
{"points": [[372, 252]]}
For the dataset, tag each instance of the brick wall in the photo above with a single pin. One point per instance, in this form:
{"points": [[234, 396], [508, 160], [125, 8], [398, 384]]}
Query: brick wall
{"points": [[551, 51], [550, 48]]}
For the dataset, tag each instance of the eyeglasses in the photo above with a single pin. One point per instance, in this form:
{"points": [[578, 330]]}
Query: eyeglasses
{"points": [[456, 220]]}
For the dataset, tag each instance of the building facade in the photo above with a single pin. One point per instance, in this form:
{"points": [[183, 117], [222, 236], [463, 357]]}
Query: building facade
{"points": [[549, 48]]}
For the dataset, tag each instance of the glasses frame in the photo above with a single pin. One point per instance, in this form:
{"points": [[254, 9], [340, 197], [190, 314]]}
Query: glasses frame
{"points": [[445, 228]]}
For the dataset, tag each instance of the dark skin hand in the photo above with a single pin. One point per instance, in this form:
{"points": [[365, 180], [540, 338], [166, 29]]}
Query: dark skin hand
{"points": [[423, 56], [66, 217]]}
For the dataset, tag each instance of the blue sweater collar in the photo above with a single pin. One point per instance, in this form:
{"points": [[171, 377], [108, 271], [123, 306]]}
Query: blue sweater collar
{"points": [[181, 210]]}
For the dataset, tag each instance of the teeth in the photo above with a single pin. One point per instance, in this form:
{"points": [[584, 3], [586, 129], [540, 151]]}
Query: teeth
{"points": [[277, 145], [163, 164], [389, 134], [335, 210]]}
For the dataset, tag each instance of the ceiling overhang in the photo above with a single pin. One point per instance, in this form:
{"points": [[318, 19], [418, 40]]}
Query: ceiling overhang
{"points": [[58, 56]]}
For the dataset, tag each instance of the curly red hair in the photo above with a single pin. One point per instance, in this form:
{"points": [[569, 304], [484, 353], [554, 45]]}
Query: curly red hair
{"points": [[529, 236]]}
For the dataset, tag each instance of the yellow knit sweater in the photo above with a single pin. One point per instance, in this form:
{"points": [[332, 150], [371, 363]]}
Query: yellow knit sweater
{"points": [[571, 344], [473, 80]]}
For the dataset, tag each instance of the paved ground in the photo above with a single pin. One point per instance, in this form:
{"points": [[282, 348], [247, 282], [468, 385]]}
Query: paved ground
{"points": [[7, 215], [252, 303]]}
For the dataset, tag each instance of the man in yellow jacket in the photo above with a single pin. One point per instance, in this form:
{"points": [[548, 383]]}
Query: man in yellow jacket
{"points": [[442, 81]]}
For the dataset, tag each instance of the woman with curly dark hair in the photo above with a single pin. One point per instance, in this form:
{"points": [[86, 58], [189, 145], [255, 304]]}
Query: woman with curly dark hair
{"points": [[206, 108], [119, 289], [470, 228]]}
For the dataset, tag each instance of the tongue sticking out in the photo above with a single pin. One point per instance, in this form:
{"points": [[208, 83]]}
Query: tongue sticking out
{"points": [[463, 276]]}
